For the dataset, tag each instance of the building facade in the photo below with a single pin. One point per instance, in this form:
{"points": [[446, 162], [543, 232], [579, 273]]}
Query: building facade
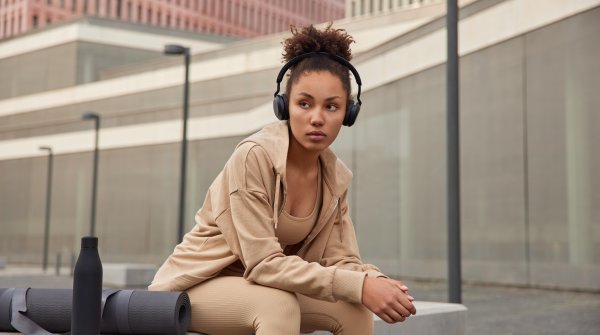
{"points": [[356, 8], [236, 18], [530, 171]]}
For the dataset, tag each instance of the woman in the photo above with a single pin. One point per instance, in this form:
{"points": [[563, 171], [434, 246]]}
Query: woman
{"points": [[274, 250]]}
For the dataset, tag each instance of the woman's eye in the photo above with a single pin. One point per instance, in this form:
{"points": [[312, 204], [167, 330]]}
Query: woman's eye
{"points": [[332, 107], [304, 105]]}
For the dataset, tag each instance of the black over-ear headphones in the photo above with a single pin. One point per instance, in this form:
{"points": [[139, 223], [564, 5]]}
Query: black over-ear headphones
{"points": [[280, 103]]}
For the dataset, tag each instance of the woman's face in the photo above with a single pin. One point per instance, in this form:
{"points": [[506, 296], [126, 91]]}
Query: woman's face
{"points": [[317, 106]]}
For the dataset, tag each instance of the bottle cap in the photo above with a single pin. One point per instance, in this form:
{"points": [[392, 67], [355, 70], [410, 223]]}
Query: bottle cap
{"points": [[89, 242]]}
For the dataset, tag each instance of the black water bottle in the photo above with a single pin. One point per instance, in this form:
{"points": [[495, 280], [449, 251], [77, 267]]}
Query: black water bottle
{"points": [[87, 289]]}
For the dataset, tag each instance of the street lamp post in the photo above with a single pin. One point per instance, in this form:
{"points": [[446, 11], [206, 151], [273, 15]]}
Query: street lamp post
{"points": [[453, 148], [96, 118], [172, 49], [48, 202]]}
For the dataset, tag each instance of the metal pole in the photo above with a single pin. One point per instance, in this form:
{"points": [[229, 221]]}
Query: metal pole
{"points": [[58, 264], [182, 176], [48, 206], [95, 179], [452, 96]]}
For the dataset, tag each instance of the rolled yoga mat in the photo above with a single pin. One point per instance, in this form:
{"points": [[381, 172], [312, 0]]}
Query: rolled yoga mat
{"points": [[123, 311]]}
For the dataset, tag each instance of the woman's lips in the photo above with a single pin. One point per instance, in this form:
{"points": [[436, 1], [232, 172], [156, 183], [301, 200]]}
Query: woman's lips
{"points": [[316, 135]]}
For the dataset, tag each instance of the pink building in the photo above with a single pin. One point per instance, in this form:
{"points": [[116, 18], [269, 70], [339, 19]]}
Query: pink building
{"points": [[239, 18]]}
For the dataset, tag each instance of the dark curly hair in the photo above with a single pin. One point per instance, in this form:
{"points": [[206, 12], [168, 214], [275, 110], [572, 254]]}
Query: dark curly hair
{"points": [[310, 39]]}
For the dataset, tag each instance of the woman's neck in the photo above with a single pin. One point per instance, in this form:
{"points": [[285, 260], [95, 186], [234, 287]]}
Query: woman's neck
{"points": [[300, 158]]}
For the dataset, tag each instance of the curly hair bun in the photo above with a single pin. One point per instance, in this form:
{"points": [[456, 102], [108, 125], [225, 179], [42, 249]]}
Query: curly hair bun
{"points": [[310, 39]]}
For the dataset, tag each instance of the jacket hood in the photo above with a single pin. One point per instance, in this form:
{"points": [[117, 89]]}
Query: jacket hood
{"points": [[274, 138]]}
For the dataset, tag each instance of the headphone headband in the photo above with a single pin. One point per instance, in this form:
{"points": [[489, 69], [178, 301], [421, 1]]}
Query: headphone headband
{"points": [[336, 58]]}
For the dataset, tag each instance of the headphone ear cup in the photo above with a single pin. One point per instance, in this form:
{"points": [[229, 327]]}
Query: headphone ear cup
{"points": [[351, 114], [280, 107]]}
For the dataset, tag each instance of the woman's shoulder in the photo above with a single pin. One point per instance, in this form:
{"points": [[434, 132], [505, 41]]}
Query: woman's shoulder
{"points": [[249, 154], [267, 146], [249, 167]]}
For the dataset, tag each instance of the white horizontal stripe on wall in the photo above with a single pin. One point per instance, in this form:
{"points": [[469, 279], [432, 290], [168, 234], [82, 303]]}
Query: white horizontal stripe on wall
{"points": [[494, 25], [147, 81], [82, 31], [216, 126]]}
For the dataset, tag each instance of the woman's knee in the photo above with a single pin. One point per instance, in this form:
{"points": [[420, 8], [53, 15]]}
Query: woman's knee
{"points": [[339, 318], [277, 313]]}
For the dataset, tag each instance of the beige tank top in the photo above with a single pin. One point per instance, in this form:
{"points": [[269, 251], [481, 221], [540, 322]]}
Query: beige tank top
{"points": [[292, 230]]}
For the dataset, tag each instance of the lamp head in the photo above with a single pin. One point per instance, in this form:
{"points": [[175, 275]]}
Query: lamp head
{"points": [[90, 116], [46, 148], [174, 49]]}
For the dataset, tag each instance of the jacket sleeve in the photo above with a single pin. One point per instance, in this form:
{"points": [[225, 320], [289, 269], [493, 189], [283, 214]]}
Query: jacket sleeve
{"points": [[248, 227], [342, 247]]}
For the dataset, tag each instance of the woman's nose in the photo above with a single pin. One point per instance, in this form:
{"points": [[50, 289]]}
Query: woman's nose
{"points": [[316, 118]]}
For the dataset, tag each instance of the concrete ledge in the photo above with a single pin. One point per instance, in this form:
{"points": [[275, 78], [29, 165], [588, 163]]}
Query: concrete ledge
{"points": [[124, 275], [431, 318]]}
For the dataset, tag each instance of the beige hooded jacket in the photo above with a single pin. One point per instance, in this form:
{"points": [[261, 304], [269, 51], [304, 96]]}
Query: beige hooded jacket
{"points": [[238, 221]]}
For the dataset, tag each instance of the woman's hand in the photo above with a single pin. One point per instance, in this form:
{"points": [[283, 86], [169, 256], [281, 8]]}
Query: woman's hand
{"points": [[388, 299]]}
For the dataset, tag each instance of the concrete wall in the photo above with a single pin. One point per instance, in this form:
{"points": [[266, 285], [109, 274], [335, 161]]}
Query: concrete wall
{"points": [[34, 72], [530, 206], [529, 165]]}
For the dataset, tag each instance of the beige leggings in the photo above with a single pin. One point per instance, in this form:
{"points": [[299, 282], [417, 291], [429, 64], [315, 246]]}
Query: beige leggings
{"points": [[231, 305]]}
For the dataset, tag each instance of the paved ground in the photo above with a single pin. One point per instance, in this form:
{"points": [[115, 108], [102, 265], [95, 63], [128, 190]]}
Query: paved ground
{"points": [[493, 310], [509, 311]]}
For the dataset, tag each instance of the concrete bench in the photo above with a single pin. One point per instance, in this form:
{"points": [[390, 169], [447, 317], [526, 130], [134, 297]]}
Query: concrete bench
{"points": [[431, 318], [128, 275]]}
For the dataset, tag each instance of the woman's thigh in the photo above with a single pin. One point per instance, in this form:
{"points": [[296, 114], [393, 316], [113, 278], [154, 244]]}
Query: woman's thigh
{"points": [[337, 317], [232, 305]]}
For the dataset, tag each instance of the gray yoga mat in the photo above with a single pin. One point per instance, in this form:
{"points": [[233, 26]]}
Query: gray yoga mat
{"points": [[124, 311]]}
